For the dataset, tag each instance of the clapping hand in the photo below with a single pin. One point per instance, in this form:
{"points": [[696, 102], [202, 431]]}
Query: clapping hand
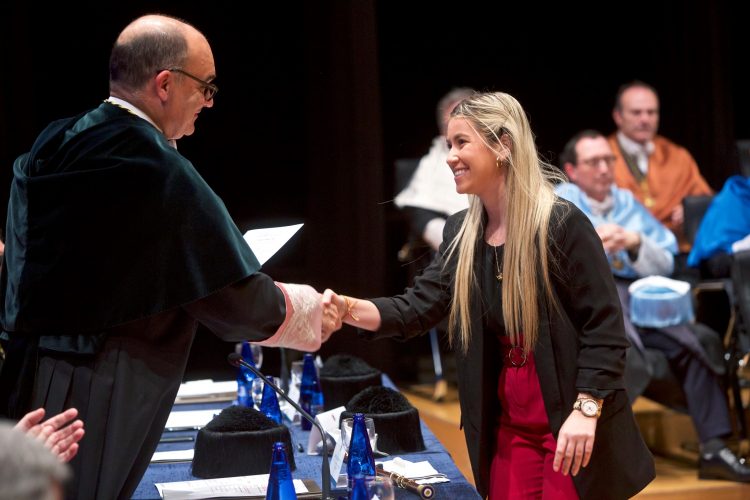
{"points": [[616, 238], [57, 433]]}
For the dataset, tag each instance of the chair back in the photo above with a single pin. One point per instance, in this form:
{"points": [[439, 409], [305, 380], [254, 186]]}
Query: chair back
{"points": [[405, 168], [741, 289], [694, 208], [743, 152]]}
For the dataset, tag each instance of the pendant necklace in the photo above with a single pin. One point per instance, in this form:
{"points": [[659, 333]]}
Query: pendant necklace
{"points": [[499, 274]]}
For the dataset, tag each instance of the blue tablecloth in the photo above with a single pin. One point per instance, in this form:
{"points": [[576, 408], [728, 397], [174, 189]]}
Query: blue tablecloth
{"points": [[308, 467]]}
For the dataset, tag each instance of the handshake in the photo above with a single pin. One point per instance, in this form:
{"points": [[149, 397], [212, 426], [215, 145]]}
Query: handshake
{"points": [[312, 317], [335, 309]]}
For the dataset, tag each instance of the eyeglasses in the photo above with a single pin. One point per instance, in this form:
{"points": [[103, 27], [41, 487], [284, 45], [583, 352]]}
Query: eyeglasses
{"points": [[594, 162], [209, 89]]}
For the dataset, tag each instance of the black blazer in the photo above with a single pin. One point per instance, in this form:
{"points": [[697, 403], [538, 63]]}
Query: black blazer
{"points": [[581, 347]]}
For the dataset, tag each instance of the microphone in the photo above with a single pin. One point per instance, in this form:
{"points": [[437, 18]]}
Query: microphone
{"points": [[236, 360]]}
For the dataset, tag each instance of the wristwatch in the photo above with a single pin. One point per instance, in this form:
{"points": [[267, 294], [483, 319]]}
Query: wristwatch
{"points": [[588, 406]]}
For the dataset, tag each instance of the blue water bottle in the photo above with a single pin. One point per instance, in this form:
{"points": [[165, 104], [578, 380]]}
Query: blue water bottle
{"points": [[309, 390], [269, 405], [280, 484], [361, 461]]}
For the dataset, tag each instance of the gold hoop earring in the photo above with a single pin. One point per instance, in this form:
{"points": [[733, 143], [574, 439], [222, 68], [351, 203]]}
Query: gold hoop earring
{"points": [[497, 162]]}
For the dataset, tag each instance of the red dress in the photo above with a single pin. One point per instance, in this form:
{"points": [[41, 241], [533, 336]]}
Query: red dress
{"points": [[522, 465]]}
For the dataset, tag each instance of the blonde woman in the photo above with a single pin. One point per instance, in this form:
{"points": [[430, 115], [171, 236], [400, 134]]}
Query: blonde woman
{"points": [[534, 315]]}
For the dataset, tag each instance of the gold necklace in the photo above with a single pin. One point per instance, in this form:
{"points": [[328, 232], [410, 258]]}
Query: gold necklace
{"points": [[499, 274]]}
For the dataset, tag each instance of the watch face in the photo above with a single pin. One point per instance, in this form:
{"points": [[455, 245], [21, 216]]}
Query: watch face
{"points": [[589, 408]]}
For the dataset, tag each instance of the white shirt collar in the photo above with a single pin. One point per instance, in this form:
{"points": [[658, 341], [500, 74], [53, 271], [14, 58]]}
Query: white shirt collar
{"points": [[600, 208], [116, 101], [635, 148], [125, 104]]}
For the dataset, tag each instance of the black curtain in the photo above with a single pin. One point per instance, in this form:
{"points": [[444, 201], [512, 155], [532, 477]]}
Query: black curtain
{"points": [[318, 99]]}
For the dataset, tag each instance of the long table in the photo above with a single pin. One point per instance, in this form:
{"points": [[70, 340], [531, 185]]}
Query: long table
{"points": [[308, 466]]}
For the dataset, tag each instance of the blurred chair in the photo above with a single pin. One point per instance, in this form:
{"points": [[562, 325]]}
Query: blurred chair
{"points": [[694, 208], [743, 152], [738, 337], [712, 301]]}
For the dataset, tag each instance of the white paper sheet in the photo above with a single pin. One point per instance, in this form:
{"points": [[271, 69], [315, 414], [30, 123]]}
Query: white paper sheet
{"points": [[189, 420], [206, 387], [266, 242], [172, 456], [422, 472], [239, 486]]}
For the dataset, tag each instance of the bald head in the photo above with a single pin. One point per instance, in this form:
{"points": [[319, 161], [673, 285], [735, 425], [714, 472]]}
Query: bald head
{"points": [[152, 23], [147, 45], [165, 68]]}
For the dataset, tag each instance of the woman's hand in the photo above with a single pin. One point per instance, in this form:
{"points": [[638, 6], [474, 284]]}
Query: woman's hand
{"points": [[331, 317], [575, 442], [57, 434], [334, 303], [356, 312]]}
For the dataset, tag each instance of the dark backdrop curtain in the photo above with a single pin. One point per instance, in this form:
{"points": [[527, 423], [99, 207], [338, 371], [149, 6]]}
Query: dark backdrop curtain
{"points": [[319, 98]]}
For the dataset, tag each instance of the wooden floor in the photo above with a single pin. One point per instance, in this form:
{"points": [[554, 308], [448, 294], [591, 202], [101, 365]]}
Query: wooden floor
{"points": [[676, 477]]}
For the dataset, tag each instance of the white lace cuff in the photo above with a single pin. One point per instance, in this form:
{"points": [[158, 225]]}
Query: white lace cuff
{"points": [[302, 324]]}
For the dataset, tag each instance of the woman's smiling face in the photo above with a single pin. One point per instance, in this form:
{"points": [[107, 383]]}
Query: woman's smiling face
{"points": [[474, 164]]}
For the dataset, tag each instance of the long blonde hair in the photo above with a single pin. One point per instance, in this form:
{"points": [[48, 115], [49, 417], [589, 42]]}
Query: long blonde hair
{"points": [[530, 198]]}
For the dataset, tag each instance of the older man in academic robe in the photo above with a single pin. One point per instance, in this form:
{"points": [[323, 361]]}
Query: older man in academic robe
{"points": [[657, 171]]}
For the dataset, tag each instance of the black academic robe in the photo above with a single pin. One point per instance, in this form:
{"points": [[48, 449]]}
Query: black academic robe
{"points": [[581, 347], [116, 250]]}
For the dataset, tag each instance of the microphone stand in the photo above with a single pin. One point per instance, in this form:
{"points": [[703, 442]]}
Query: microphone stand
{"points": [[284, 370], [236, 360]]}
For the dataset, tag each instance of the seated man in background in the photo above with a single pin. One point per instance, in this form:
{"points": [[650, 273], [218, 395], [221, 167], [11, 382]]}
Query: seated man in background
{"points": [[657, 171], [637, 245], [431, 194]]}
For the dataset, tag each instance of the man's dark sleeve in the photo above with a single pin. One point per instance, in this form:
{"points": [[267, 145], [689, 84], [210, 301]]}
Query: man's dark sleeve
{"points": [[250, 309]]}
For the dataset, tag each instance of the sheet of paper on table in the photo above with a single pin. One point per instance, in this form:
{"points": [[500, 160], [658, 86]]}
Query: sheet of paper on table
{"points": [[329, 421], [189, 420], [266, 242], [239, 486], [422, 472], [164, 457], [206, 390]]}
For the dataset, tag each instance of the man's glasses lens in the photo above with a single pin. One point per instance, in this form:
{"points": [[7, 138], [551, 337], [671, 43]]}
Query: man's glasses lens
{"points": [[596, 161], [209, 89]]}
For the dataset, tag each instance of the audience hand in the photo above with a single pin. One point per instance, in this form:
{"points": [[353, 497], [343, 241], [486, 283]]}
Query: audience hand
{"points": [[616, 238], [678, 215], [57, 433]]}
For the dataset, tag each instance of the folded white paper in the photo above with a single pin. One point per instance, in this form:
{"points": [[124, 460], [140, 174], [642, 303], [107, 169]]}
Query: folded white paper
{"points": [[239, 486], [192, 419], [422, 472], [329, 421], [172, 456], [207, 388], [266, 242]]}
